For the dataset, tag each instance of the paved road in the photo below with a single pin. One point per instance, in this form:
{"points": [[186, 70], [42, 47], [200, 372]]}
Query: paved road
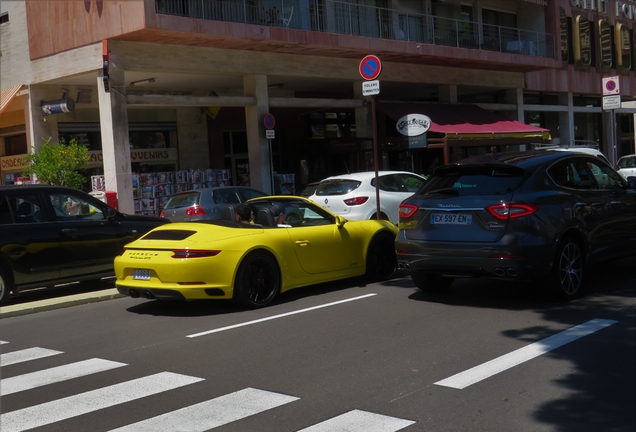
{"points": [[343, 356]]}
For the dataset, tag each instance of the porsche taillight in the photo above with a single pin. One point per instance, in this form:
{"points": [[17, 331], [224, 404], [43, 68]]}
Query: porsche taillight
{"points": [[195, 211], [194, 253], [512, 211]]}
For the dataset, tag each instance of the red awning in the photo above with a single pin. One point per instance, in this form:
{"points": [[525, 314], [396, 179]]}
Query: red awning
{"points": [[464, 121]]}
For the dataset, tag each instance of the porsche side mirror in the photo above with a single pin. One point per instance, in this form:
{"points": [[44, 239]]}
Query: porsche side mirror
{"points": [[111, 213], [340, 221]]}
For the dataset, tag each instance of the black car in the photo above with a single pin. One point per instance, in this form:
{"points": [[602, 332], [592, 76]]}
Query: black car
{"points": [[54, 234], [517, 216]]}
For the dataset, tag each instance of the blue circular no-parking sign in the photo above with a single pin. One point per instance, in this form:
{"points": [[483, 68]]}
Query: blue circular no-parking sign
{"points": [[370, 67], [269, 121]]}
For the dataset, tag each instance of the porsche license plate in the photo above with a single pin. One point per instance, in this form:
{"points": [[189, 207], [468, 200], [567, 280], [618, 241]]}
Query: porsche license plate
{"points": [[141, 274], [451, 219]]}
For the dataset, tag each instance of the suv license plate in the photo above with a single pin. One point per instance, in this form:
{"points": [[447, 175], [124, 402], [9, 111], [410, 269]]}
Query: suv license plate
{"points": [[141, 274], [451, 219]]}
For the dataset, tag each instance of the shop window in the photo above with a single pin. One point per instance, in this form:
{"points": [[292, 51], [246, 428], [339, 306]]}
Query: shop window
{"points": [[146, 139], [332, 125], [15, 145]]}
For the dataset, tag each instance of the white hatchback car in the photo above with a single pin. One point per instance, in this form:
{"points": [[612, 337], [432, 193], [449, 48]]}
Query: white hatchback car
{"points": [[626, 166], [353, 195]]}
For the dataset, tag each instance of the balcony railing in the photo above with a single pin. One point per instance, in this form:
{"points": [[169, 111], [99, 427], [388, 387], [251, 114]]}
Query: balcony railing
{"points": [[358, 20]]}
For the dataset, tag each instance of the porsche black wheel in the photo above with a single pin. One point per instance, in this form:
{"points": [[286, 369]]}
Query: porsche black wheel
{"points": [[567, 272], [381, 258], [431, 282], [257, 280]]}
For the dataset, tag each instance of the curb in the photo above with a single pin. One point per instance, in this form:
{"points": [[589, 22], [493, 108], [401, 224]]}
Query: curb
{"points": [[58, 303]]}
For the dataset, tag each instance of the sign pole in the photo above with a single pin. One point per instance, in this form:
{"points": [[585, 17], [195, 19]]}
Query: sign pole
{"points": [[375, 157]]}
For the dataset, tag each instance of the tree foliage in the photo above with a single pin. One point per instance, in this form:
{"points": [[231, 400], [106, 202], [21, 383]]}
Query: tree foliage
{"points": [[58, 164]]}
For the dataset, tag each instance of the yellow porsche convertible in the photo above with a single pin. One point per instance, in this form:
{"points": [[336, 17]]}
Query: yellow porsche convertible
{"points": [[291, 242]]}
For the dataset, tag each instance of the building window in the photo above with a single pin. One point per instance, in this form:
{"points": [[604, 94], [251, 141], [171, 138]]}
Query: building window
{"points": [[4, 17], [605, 37], [15, 145], [582, 41], [623, 47], [565, 37]]}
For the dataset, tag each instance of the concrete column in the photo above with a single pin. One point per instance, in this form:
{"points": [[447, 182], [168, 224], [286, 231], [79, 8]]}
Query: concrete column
{"points": [[113, 121], [515, 96], [566, 119], [192, 134], [258, 148], [447, 93], [38, 126], [364, 121]]}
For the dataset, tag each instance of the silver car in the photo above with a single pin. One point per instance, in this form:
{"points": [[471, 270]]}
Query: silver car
{"points": [[206, 204], [353, 195], [626, 166]]}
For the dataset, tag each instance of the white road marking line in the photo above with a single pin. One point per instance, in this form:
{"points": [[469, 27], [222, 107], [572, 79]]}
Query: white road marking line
{"points": [[26, 355], [500, 364], [212, 413], [360, 421], [3, 342], [72, 406], [278, 316], [54, 375]]}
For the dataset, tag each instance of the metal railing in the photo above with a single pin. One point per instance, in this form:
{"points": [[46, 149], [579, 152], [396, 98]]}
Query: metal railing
{"points": [[359, 20]]}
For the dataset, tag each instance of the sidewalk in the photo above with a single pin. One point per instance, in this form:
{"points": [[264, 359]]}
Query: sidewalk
{"points": [[58, 303]]}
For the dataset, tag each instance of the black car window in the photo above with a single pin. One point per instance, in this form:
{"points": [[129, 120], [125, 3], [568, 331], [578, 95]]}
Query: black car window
{"points": [[605, 177], [182, 200], [387, 183], [22, 208], [71, 206], [410, 183], [337, 187], [579, 173], [474, 180], [226, 196], [246, 193]]}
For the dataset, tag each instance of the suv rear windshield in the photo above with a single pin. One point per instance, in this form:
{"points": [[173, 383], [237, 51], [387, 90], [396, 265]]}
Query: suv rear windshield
{"points": [[474, 180], [183, 200], [337, 187]]}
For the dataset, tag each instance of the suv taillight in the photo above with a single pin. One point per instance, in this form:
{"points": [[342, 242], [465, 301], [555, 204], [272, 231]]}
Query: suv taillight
{"points": [[356, 201], [407, 210], [195, 211], [512, 211]]}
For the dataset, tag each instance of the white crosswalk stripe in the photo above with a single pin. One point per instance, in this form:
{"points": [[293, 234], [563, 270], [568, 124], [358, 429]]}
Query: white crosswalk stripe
{"points": [[72, 406], [212, 413], [54, 375], [26, 355], [199, 417], [360, 421]]}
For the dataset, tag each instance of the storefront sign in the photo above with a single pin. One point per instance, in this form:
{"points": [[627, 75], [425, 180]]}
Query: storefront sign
{"points": [[413, 124], [137, 155], [12, 163], [624, 9]]}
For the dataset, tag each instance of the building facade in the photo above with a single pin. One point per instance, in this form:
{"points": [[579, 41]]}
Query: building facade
{"points": [[161, 86]]}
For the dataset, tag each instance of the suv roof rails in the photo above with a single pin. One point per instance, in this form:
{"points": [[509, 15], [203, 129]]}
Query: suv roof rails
{"points": [[571, 144]]}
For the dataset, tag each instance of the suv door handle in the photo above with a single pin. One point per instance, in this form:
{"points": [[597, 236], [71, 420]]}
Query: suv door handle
{"points": [[69, 230]]}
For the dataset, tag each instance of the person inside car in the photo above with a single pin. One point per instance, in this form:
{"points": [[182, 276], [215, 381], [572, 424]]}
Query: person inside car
{"points": [[243, 213]]}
